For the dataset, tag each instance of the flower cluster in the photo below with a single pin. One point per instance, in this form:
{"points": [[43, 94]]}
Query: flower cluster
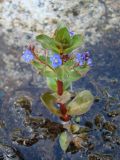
{"points": [[56, 59], [83, 58]]}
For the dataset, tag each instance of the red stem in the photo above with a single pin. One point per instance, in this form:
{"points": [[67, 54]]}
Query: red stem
{"points": [[59, 87], [63, 109]]}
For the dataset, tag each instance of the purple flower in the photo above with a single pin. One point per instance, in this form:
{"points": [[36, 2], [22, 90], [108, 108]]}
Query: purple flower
{"points": [[28, 56], [86, 56], [56, 60], [83, 58], [71, 33]]}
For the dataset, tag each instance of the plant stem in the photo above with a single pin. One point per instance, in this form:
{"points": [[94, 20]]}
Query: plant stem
{"points": [[59, 87], [65, 117]]}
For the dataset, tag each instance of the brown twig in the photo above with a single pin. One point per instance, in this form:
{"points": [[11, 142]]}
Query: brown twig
{"points": [[38, 59]]}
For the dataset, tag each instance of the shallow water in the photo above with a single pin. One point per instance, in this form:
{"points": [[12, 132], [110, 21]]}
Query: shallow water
{"points": [[19, 127]]}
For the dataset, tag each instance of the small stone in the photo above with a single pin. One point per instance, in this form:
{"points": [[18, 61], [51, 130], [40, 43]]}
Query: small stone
{"points": [[97, 99], [2, 124], [117, 140], [113, 113], [110, 126], [107, 136], [99, 120], [89, 124], [99, 157]]}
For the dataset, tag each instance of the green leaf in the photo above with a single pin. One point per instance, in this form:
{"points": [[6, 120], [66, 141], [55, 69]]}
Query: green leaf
{"points": [[81, 103], [49, 101], [66, 84], [64, 140], [69, 63], [42, 58], [52, 84], [59, 26], [47, 42], [44, 70], [73, 75], [62, 72], [49, 73], [38, 66], [64, 98], [77, 73], [76, 41], [82, 70], [73, 128], [62, 35]]}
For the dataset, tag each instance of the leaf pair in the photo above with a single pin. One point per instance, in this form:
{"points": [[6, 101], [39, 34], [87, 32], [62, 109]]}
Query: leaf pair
{"points": [[78, 106], [61, 42], [67, 76]]}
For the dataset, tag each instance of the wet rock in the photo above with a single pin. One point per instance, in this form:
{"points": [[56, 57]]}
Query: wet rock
{"points": [[110, 126]]}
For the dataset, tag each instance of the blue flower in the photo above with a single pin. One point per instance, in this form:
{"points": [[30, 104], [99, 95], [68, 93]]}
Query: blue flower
{"points": [[71, 33], [28, 56], [56, 60], [79, 59]]}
